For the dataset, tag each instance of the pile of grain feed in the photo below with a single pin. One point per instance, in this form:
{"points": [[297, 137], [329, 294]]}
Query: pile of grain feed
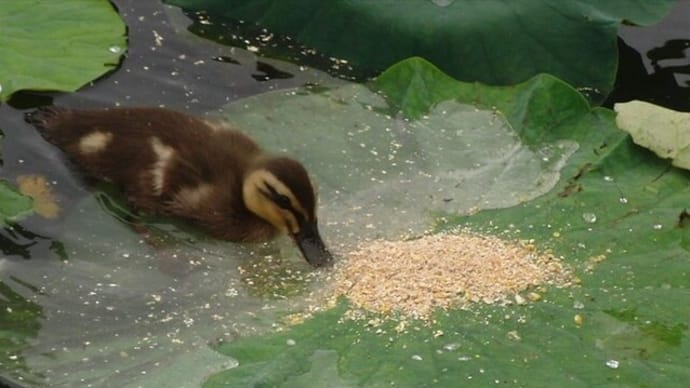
{"points": [[411, 279]]}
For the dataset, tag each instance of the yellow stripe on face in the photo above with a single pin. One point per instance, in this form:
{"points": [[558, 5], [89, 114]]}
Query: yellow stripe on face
{"points": [[253, 189], [282, 189]]}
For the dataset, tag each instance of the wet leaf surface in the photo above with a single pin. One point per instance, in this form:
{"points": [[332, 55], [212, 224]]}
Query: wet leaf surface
{"points": [[373, 165], [13, 204]]}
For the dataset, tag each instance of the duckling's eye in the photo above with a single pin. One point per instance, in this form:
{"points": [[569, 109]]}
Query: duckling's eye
{"points": [[282, 201], [279, 199]]}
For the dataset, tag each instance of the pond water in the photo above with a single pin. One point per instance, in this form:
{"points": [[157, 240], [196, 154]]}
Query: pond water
{"points": [[105, 308]]}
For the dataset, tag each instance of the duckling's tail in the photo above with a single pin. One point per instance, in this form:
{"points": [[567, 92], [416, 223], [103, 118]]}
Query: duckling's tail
{"points": [[46, 119], [40, 117]]}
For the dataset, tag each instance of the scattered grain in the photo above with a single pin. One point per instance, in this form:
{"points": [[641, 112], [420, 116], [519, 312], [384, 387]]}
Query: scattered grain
{"points": [[519, 299], [534, 296], [411, 279], [513, 335]]}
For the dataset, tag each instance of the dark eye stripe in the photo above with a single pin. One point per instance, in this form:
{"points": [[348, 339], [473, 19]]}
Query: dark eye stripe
{"points": [[281, 200]]}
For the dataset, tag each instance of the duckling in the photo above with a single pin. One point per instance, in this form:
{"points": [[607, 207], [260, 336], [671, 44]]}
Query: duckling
{"points": [[205, 172]]}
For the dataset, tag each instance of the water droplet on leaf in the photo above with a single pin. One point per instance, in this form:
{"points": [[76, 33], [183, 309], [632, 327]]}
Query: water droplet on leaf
{"points": [[589, 217], [451, 346], [442, 3], [578, 319]]}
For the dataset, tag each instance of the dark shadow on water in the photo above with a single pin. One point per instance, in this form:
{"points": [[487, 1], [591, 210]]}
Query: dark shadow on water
{"points": [[661, 86], [17, 241], [269, 72], [28, 100]]}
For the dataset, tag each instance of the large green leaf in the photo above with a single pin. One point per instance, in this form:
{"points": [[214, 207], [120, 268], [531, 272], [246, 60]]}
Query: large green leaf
{"points": [[57, 45], [496, 42], [617, 217]]}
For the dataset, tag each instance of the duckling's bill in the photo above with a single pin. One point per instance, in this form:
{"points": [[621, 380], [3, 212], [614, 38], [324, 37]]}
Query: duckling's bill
{"points": [[311, 245]]}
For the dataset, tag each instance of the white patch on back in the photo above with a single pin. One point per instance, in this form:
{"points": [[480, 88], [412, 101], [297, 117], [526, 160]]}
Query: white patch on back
{"points": [[217, 125], [164, 155], [94, 142], [192, 197]]}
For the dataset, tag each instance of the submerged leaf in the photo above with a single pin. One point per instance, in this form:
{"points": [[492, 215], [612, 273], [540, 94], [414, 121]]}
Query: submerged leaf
{"points": [[36, 187], [20, 319], [662, 130], [13, 204]]}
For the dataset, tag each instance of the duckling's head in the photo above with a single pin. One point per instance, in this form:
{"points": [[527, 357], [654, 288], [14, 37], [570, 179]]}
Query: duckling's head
{"points": [[279, 191]]}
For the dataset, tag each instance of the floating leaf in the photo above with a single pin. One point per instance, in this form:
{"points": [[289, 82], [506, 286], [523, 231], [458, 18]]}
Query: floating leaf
{"points": [[662, 130], [57, 45]]}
